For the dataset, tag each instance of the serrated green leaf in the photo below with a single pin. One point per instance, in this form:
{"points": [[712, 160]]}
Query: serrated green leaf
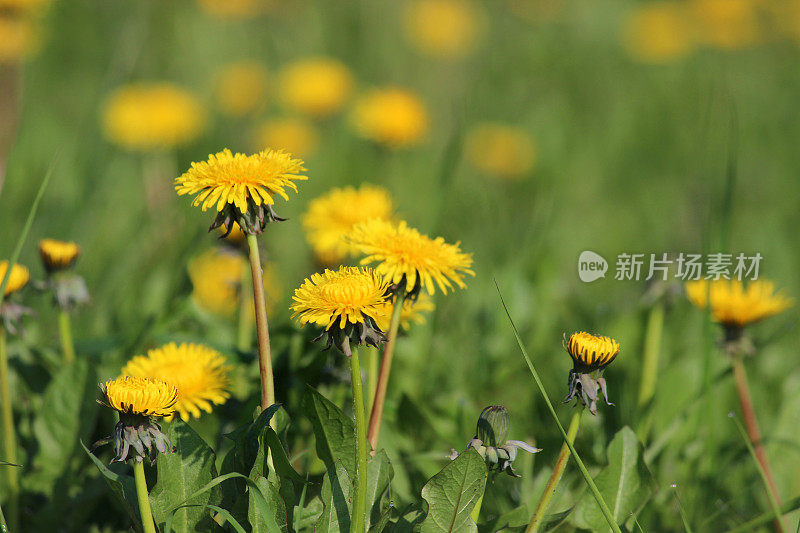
{"points": [[336, 490], [452, 494], [623, 484], [335, 432], [66, 417], [181, 474], [123, 488], [379, 475]]}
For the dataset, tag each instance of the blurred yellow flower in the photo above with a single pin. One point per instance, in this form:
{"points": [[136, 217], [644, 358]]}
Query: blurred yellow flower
{"points": [[199, 374], [733, 304], [140, 396], [58, 255], [658, 32], [295, 135], [391, 116], [241, 88], [148, 116], [23, 7], [500, 151], [403, 253], [592, 351], [339, 298], [443, 28], [726, 23], [18, 279], [232, 9], [413, 311], [239, 179], [331, 217], [317, 86], [19, 39], [216, 277]]}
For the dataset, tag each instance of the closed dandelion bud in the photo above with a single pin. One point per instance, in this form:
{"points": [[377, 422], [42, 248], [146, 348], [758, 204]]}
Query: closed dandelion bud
{"points": [[493, 425], [491, 440], [590, 355], [58, 257]]}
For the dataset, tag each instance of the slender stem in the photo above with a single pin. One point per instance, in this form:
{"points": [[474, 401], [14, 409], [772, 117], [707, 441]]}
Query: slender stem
{"points": [[372, 377], [754, 433], [3, 525], [558, 471], [358, 520], [476, 511], [148, 525], [65, 333], [262, 327], [582, 467], [244, 331], [655, 325], [9, 438], [376, 414]]}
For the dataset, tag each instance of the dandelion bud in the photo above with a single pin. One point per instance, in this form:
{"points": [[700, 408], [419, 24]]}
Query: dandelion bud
{"points": [[591, 354], [491, 440], [493, 425]]}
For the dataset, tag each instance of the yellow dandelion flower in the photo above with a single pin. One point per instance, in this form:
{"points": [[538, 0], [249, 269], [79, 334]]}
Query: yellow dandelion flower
{"points": [[242, 182], [338, 298], [241, 88], [295, 135], [18, 279], [331, 217], [500, 151], [733, 304], [19, 39], [140, 396], [236, 9], [658, 32], [391, 116], [199, 373], [593, 351], [727, 24], [149, 116], [413, 311], [58, 255], [403, 253], [443, 28], [23, 6], [316, 86]]}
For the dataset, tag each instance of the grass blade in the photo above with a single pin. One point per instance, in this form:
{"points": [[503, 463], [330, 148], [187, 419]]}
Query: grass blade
{"points": [[588, 478]]}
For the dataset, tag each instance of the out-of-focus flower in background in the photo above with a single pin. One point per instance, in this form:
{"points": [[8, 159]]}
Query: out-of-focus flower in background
{"points": [[413, 311], [151, 116], [19, 38], [237, 9], [446, 29], [241, 88], [500, 151], [292, 134], [727, 24], [659, 32], [330, 218], [317, 86], [391, 116]]}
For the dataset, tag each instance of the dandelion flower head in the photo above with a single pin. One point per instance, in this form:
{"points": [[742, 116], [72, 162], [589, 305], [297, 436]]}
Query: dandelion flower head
{"points": [[733, 304], [593, 351], [18, 279], [317, 86], [140, 396], [391, 116], [445, 29], [241, 88], [500, 151]]}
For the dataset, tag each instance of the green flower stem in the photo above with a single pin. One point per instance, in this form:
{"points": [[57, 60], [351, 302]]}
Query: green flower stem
{"points": [[148, 525], [244, 332], [376, 415], [262, 327], [476, 511], [754, 433], [372, 377], [582, 467], [652, 342], [358, 520], [9, 438], [65, 333], [558, 471]]}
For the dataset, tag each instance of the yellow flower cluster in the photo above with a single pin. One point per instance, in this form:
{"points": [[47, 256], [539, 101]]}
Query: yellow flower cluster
{"points": [[391, 116], [150, 116], [733, 304], [18, 279], [593, 351], [330, 218], [140, 396], [197, 372]]}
